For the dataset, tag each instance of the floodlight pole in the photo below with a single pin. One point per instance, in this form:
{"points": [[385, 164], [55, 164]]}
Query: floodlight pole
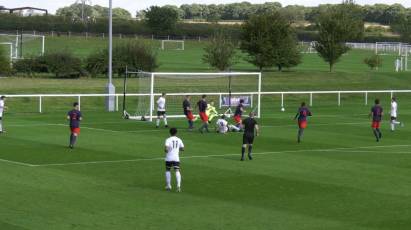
{"points": [[110, 89]]}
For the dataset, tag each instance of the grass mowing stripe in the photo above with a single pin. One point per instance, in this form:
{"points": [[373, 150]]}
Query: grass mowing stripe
{"points": [[219, 155]]}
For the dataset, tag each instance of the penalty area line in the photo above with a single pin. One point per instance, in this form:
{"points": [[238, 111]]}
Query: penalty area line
{"points": [[223, 155]]}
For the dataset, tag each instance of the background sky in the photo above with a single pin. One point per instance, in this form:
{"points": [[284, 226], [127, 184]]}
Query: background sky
{"points": [[134, 5]]}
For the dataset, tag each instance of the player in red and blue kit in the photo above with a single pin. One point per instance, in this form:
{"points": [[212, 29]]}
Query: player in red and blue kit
{"points": [[376, 114], [302, 114], [238, 113], [74, 117], [202, 106]]}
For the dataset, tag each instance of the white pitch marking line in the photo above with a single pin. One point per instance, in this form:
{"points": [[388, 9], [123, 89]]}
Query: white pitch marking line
{"points": [[216, 155], [17, 163]]}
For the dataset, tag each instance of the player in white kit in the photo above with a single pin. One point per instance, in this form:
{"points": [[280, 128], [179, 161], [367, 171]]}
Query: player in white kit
{"points": [[223, 126], [173, 146], [394, 114], [2, 109], [161, 110]]}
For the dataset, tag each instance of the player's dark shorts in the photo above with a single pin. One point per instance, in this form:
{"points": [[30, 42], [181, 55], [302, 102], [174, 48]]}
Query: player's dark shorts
{"points": [[161, 113], [172, 164], [248, 138], [392, 118], [1, 118]]}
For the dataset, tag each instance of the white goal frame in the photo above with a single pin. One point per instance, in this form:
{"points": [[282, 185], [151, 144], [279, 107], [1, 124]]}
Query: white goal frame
{"points": [[16, 43], [173, 41], [152, 94]]}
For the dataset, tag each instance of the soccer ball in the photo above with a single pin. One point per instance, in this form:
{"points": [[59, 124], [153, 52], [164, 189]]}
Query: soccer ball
{"points": [[282, 109]]}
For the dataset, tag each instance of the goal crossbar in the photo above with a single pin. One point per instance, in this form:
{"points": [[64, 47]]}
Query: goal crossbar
{"points": [[151, 76]]}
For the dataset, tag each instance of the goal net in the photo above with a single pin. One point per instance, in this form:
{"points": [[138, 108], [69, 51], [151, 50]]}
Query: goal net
{"points": [[172, 44], [223, 91], [388, 48], [24, 45]]}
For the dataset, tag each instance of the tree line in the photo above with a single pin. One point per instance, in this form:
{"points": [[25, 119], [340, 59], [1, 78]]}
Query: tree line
{"points": [[377, 13]]}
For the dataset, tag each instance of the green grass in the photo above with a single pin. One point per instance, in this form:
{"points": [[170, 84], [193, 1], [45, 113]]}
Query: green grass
{"points": [[338, 178]]}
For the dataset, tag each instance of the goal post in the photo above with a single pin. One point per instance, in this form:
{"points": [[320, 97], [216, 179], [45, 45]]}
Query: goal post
{"points": [[223, 90], [173, 44], [24, 44]]}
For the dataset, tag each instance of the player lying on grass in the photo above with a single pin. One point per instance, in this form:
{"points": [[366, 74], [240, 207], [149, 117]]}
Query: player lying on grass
{"points": [[211, 111], [74, 116], [302, 114], [161, 110], [251, 129], [376, 114], [394, 114], [188, 112], [3, 108], [223, 127], [173, 146]]}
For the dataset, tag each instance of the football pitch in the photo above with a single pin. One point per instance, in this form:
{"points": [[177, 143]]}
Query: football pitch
{"points": [[339, 177]]}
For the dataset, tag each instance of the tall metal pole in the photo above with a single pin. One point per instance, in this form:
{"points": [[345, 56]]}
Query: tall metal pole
{"points": [[110, 42], [110, 89]]}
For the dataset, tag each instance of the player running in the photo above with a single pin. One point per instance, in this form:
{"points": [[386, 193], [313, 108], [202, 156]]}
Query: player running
{"points": [[3, 108], [250, 130], [74, 116], [202, 106], [173, 146], [188, 112], [238, 113], [376, 114], [302, 114], [161, 110], [394, 113]]}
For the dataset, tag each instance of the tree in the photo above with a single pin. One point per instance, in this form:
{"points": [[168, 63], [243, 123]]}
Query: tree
{"points": [[161, 20], [220, 53], [136, 54], [270, 40], [402, 26], [121, 13], [336, 26]]}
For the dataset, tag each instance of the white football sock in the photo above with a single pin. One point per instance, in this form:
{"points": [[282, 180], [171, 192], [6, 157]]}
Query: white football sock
{"points": [[1, 125], [178, 178], [392, 126], [158, 122], [165, 121], [168, 179]]}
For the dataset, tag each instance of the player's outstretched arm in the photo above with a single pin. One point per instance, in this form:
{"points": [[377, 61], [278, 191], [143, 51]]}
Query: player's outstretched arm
{"points": [[257, 130]]}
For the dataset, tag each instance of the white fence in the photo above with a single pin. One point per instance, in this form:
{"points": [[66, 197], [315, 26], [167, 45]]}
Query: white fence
{"points": [[283, 95]]}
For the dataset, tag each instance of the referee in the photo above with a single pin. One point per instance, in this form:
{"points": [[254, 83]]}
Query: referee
{"points": [[250, 130]]}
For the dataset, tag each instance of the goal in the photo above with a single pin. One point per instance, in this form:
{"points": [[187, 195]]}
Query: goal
{"points": [[172, 44], [23, 45], [388, 48], [224, 90]]}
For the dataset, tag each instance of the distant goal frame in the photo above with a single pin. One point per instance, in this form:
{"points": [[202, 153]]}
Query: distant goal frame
{"points": [[182, 42]]}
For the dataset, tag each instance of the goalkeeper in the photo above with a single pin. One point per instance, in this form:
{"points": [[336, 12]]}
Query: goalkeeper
{"points": [[211, 111]]}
